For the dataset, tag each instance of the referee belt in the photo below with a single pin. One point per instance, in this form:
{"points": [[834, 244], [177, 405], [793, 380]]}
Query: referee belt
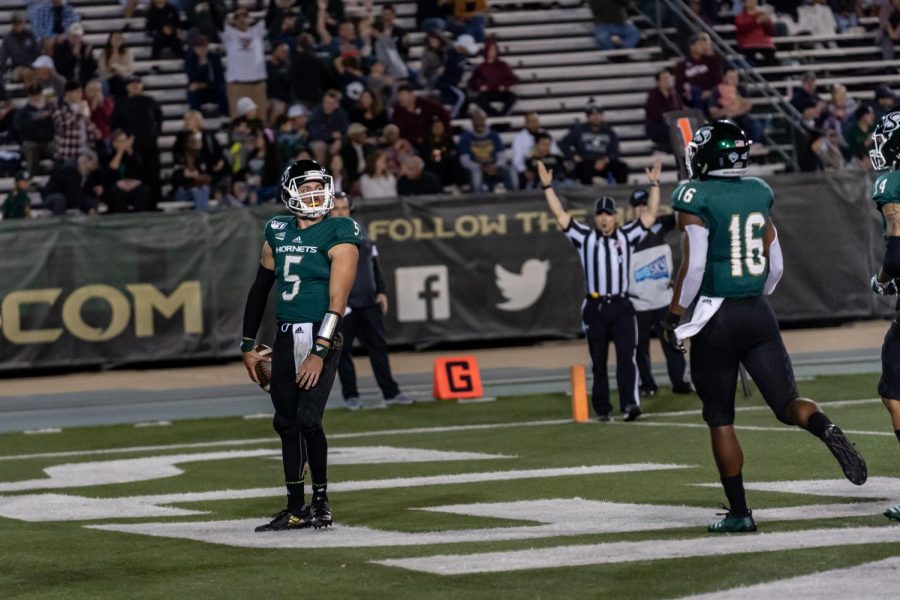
{"points": [[607, 298]]}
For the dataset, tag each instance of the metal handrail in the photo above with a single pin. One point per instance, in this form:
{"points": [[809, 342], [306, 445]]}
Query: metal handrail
{"points": [[723, 49]]}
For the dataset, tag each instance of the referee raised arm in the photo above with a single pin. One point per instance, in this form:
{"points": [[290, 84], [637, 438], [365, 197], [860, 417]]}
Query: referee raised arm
{"points": [[607, 313]]}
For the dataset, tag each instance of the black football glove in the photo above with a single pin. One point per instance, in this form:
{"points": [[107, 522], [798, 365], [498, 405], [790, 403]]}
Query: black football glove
{"points": [[668, 326], [889, 288]]}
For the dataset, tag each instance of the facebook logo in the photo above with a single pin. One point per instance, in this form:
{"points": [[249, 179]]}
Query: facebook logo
{"points": [[423, 294]]}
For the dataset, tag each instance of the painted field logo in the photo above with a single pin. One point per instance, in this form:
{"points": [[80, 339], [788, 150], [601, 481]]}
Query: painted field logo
{"points": [[29, 307]]}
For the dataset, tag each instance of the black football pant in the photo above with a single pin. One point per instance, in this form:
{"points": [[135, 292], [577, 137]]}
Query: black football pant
{"points": [[648, 323], [299, 412], [368, 326], [604, 322], [743, 330]]}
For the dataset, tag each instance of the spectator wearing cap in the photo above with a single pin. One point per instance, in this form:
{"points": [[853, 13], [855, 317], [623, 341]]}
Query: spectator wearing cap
{"points": [[45, 75], [698, 73], [889, 27], [660, 100], [74, 184], [73, 58], [17, 204], [163, 23], [242, 136], [34, 126], [456, 66], [140, 116], [650, 289], [753, 31], [413, 115], [293, 132], [543, 152], [594, 147], [608, 314], [73, 131], [492, 81], [377, 181], [482, 154], [807, 93], [728, 101], [206, 77], [884, 101], [354, 151], [440, 154], [612, 30], [415, 180], [18, 49], [115, 63], [245, 54], [521, 146], [858, 135], [52, 18]]}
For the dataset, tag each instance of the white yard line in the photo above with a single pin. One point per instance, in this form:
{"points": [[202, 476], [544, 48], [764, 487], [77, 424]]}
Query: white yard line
{"points": [[274, 440], [782, 429], [686, 413]]}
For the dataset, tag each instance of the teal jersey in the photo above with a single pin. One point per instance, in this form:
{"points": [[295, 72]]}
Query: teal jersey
{"points": [[302, 266], [886, 191], [735, 212]]}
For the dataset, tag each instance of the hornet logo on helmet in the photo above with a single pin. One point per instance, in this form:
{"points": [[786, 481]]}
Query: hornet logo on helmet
{"points": [[703, 135], [891, 121]]}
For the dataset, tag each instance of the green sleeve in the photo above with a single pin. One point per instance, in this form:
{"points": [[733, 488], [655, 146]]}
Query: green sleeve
{"points": [[346, 231], [887, 189]]}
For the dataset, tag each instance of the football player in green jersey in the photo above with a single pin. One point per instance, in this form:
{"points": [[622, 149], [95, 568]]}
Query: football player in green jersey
{"points": [[886, 155], [732, 259], [313, 258]]}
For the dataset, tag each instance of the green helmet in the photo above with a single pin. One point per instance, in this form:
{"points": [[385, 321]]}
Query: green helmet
{"points": [[886, 137], [718, 149]]}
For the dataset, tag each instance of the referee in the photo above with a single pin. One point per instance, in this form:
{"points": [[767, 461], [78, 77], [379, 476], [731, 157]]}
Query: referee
{"points": [[607, 313]]}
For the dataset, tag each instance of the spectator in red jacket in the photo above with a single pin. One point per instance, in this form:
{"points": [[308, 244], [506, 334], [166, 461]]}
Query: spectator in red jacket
{"points": [[661, 100], [413, 115], [492, 80], [754, 34]]}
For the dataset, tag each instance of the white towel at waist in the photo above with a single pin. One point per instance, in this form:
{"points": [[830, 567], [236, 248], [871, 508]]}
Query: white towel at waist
{"points": [[704, 310]]}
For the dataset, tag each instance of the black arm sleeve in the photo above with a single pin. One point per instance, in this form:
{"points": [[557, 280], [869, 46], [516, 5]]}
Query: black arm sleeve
{"points": [[256, 301], [891, 264], [379, 277]]}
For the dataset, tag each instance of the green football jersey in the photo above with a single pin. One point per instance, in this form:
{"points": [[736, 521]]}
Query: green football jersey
{"points": [[735, 212], [887, 191], [302, 265]]}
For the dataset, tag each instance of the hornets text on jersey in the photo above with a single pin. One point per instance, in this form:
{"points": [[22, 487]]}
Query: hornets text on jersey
{"points": [[302, 265], [735, 211]]}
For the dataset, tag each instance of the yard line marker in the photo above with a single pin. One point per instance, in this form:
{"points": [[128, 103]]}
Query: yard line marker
{"points": [[153, 424], [274, 440], [686, 413], [42, 431], [624, 552], [785, 428]]}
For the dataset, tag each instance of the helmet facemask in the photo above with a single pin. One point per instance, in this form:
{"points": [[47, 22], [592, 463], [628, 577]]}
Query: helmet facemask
{"points": [[313, 203], [876, 156]]}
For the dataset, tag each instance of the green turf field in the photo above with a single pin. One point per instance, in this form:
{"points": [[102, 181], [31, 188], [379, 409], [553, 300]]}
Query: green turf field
{"points": [[630, 524]]}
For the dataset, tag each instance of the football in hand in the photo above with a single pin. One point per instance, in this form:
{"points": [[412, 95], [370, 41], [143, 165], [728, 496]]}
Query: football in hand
{"points": [[264, 367]]}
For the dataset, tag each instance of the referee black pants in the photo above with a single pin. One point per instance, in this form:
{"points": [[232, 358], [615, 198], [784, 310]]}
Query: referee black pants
{"points": [[612, 321], [648, 323], [368, 326]]}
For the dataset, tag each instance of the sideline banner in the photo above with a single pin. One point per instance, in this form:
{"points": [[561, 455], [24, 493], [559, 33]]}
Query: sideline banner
{"points": [[158, 287]]}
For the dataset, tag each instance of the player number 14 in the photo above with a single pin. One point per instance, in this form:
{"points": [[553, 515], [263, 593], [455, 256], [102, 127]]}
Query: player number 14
{"points": [[747, 249]]}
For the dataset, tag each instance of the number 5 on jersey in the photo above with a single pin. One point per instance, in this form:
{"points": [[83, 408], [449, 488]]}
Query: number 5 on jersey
{"points": [[747, 248], [291, 278]]}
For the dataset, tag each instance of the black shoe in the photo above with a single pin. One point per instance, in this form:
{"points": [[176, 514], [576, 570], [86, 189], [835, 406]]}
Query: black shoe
{"points": [[604, 418], [850, 460], [648, 391], [683, 389], [632, 412], [287, 520], [320, 512]]}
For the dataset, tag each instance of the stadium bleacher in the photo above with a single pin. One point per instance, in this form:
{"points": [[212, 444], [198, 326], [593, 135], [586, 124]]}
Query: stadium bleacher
{"points": [[552, 50]]}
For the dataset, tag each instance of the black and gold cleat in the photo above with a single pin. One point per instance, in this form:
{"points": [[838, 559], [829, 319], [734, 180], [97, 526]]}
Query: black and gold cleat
{"points": [[285, 520], [320, 512]]}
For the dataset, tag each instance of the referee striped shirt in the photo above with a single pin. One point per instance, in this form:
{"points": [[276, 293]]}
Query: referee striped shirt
{"points": [[606, 260]]}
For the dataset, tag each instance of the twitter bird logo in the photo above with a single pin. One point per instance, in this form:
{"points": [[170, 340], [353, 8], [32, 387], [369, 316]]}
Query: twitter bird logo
{"points": [[521, 290]]}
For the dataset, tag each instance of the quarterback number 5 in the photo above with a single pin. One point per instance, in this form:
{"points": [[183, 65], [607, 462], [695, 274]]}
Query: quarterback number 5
{"points": [[291, 278], [747, 249]]}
